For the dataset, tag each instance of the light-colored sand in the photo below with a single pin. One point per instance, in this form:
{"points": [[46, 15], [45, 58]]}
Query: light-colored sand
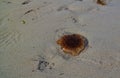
{"points": [[28, 35]]}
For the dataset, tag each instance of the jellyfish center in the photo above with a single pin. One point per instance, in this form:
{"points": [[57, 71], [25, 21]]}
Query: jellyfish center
{"points": [[72, 41]]}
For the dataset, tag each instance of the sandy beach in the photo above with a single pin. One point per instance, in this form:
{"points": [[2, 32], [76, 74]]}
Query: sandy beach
{"points": [[29, 30]]}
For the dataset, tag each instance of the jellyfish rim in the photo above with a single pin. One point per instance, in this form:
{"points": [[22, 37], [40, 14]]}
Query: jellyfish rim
{"points": [[80, 43]]}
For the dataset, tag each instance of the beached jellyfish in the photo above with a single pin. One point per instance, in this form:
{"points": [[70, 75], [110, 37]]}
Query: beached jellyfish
{"points": [[101, 2], [72, 44]]}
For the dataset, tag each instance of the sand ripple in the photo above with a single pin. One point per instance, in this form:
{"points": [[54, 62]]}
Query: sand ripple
{"points": [[9, 37]]}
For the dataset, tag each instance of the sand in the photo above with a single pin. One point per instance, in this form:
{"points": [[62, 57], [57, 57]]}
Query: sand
{"points": [[29, 30]]}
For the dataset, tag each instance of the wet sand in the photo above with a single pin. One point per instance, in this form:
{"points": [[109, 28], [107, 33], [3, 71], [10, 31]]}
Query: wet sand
{"points": [[29, 30]]}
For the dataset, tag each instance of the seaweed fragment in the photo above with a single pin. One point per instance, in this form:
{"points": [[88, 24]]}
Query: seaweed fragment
{"points": [[28, 11], [23, 22], [42, 65], [26, 2], [7, 2]]}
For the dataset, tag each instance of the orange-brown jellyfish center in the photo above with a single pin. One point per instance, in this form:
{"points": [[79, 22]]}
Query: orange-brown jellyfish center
{"points": [[72, 41], [101, 2]]}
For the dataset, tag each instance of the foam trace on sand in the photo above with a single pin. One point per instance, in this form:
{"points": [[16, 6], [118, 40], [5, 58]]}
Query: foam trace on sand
{"points": [[8, 37]]}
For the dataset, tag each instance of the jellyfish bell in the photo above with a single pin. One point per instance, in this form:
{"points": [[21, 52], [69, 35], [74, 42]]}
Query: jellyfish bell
{"points": [[72, 44], [101, 2]]}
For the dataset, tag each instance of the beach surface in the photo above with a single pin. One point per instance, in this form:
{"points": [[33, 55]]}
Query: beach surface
{"points": [[29, 30]]}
